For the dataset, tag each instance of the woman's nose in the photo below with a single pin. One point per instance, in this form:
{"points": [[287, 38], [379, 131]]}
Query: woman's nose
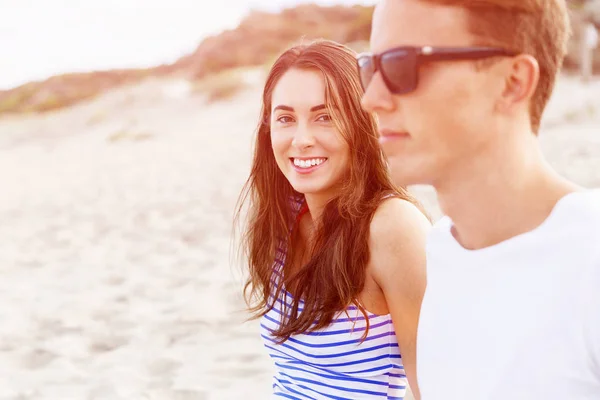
{"points": [[303, 137]]}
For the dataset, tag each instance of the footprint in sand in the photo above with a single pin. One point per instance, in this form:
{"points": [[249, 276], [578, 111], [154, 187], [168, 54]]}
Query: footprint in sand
{"points": [[238, 359], [121, 325], [248, 358], [115, 280], [104, 344], [47, 327], [177, 395], [29, 395], [104, 392], [162, 367], [121, 299], [245, 373], [37, 358], [180, 330]]}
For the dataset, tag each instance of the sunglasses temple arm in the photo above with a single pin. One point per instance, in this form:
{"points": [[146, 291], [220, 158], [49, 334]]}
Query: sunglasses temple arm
{"points": [[462, 54]]}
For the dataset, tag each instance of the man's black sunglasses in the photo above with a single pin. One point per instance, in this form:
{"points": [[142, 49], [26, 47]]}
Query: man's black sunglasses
{"points": [[399, 67]]}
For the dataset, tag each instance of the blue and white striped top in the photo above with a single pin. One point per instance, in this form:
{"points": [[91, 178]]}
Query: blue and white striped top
{"points": [[332, 363]]}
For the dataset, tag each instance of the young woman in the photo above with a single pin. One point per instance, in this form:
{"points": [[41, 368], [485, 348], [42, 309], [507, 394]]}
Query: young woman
{"points": [[335, 252]]}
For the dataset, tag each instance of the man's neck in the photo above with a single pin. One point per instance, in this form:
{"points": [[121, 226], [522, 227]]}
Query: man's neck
{"points": [[503, 195]]}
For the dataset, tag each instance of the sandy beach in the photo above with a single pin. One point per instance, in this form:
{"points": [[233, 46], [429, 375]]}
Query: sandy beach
{"points": [[117, 279]]}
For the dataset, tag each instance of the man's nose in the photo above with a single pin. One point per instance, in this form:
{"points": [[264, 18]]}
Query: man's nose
{"points": [[377, 96]]}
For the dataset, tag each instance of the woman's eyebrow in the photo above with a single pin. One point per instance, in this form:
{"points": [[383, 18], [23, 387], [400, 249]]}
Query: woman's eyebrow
{"points": [[291, 109], [284, 108]]}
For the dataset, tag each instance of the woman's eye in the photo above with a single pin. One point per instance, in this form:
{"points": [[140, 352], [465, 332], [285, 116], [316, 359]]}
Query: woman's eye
{"points": [[324, 118], [284, 119]]}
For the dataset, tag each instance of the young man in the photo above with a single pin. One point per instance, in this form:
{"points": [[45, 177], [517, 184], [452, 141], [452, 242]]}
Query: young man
{"points": [[512, 307]]}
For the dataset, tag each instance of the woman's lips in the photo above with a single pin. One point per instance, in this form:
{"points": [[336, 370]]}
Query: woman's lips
{"points": [[306, 165]]}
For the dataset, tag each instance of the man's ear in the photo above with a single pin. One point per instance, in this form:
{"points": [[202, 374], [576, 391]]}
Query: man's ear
{"points": [[521, 80]]}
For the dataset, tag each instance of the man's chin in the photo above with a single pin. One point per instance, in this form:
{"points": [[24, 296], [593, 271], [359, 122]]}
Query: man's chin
{"points": [[404, 175]]}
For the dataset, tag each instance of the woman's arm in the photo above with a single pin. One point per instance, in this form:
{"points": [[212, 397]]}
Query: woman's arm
{"points": [[397, 246]]}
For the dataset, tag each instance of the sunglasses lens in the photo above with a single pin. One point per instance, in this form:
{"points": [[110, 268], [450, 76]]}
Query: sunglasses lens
{"points": [[366, 69], [399, 69]]}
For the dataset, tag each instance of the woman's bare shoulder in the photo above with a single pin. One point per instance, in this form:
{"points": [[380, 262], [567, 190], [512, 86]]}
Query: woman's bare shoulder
{"points": [[398, 235]]}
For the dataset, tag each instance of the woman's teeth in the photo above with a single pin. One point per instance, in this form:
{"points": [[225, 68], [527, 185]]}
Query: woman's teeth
{"points": [[308, 163]]}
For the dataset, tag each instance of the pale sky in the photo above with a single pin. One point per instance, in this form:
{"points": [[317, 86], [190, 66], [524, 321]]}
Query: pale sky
{"points": [[40, 38]]}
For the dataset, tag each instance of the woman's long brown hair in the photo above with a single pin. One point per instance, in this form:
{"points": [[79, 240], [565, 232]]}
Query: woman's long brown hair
{"points": [[335, 275]]}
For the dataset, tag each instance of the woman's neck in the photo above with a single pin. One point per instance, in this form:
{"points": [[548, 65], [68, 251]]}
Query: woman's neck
{"points": [[316, 204]]}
